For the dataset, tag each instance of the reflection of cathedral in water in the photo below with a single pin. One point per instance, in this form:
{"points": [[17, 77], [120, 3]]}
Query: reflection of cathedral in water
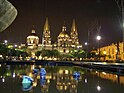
{"points": [[63, 78], [65, 42]]}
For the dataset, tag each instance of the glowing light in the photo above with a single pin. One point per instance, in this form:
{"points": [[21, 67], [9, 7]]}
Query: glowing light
{"points": [[3, 80], [85, 80], [104, 52], [98, 88], [86, 43], [13, 75], [104, 73], [48, 81], [98, 37], [66, 71], [15, 45], [1, 55], [35, 84], [60, 71], [5, 41]]}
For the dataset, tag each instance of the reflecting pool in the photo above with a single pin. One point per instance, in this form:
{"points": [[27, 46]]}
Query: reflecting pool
{"points": [[58, 79]]}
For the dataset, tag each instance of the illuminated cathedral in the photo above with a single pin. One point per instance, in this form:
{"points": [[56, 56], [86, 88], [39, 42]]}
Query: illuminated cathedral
{"points": [[64, 44]]}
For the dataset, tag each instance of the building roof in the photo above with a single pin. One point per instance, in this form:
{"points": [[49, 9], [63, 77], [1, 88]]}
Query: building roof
{"points": [[63, 33], [33, 34]]}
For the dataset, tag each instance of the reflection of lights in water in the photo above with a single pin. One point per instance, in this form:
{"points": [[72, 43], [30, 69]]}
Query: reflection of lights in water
{"points": [[48, 81], [85, 80], [43, 73], [65, 87], [13, 75], [60, 71], [66, 71], [30, 75], [35, 84], [98, 88], [42, 81], [0, 65], [3, 79], [76, 75], [32, 67]]}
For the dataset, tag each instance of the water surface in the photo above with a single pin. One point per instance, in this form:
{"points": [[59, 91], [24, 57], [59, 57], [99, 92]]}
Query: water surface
{"points": [[59, 79]]}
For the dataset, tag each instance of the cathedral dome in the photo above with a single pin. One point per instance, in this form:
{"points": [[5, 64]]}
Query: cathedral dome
{"points": [[33, 34], [63, 33], [32, 39]]}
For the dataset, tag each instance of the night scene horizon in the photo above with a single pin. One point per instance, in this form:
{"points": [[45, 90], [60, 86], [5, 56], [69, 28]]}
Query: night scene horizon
{"points": [[61, 46], [87, 13]]}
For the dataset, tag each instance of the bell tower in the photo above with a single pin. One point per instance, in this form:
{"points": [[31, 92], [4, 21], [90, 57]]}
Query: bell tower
{"points": [[46, 40], [74, 35]]}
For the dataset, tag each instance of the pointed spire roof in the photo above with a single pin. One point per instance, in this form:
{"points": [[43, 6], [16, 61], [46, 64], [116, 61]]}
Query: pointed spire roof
{"points": [[33, 30], [63, 33], [46, 26], [73, 28], [64, 27]]}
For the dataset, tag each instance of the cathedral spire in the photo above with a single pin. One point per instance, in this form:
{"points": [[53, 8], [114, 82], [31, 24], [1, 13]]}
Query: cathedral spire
{"points": [[73, 28], [46, 26], [74, 33], [64, 27], [33, 30], [46, 40]]}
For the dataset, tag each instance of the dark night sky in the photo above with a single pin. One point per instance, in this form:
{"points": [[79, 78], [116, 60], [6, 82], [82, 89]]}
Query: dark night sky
{"points": [[85, 12]]}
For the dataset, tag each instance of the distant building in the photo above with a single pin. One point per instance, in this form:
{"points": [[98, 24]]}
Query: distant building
{"points": [[32, 40], [46, 38], [64, 44], [113, 52]]}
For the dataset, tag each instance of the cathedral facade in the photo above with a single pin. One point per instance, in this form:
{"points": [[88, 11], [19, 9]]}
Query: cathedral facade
{"points": [[64, 44]]}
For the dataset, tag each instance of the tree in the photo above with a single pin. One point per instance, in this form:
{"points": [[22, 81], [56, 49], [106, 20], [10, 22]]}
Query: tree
{"points": [[48, 53], [77, 54]]}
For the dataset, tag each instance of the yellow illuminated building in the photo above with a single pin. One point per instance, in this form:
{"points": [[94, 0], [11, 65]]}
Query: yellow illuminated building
{"points": [[109, 76], [46, 38], [64, 44], [32, 40], [112, 52]]}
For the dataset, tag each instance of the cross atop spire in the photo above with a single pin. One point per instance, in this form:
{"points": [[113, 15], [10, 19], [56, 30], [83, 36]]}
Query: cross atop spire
{"points": [[33, 30], [64, 27]]}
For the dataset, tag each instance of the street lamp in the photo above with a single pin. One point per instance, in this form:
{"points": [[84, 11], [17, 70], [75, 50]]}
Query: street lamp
{"points": [[98, 39], [86, 44], [5, 41]]}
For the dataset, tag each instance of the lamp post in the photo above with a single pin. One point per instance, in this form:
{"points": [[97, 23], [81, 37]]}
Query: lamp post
{"points": [[86, 44], [98, 39], [5, 42]]}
